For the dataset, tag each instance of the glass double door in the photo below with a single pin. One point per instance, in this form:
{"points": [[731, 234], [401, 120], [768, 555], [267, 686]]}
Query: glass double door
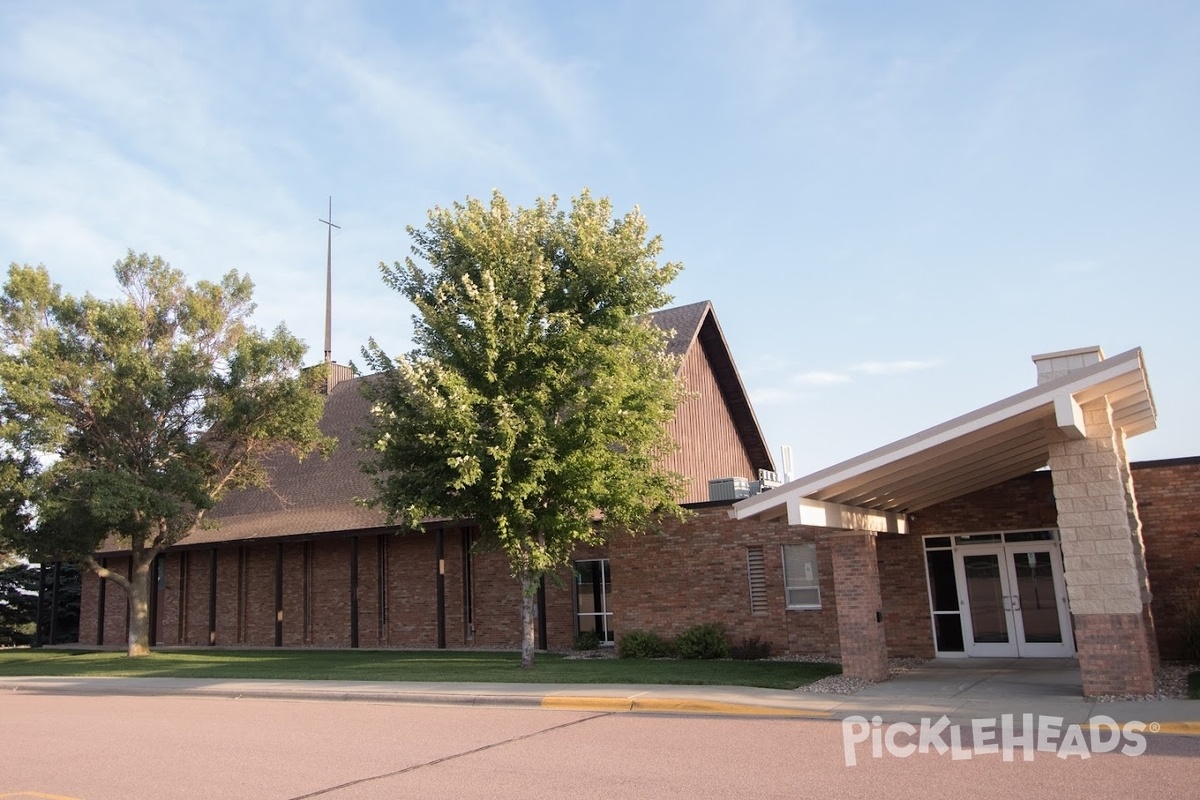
{"points": [[1015, 600]]}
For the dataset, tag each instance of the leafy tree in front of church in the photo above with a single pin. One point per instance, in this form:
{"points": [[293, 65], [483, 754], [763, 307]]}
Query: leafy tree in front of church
{"points": [[537, 397], [126, 420]]}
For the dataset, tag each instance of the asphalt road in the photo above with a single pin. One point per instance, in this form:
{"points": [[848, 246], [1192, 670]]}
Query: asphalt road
{"points": [[122, 748]]}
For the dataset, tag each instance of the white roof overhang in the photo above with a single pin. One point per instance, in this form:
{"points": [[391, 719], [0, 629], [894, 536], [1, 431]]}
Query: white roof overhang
{"points": [[988, 446]]}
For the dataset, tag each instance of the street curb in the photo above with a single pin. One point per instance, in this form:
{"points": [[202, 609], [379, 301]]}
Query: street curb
{"points": [[413, 698], [1177, 728], [654, 705], [674, 706]]}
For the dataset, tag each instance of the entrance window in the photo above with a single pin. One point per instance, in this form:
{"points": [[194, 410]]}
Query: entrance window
{"points": [[985, 595], [998, 594], [943, 595], [1037, 597], [593, 585], [800, 576]]}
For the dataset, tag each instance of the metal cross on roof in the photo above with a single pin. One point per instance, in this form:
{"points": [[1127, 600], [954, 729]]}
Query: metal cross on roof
{"points": [[329, 298]]}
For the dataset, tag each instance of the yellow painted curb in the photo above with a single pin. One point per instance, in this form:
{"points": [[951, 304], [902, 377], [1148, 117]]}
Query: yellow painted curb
{"points": [[1176, 728], [588, 703], [680, 706]]}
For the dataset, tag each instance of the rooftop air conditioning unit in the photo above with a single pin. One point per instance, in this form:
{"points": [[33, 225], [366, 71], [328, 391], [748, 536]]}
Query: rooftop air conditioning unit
{"points": [[768, 479], [728, 489]]}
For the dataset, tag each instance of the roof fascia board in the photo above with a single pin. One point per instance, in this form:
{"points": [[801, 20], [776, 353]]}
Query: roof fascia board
{"points": [[1076, 384], [737, 399], [819, 514]]}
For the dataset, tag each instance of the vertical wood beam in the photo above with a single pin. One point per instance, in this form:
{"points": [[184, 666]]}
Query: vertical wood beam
{"points": [[541, 606], [37, 628], [212, 597], [279, 595], [155, 566], [101, 591], [183, 596], [354, 591], [381, 578], [468, 589], [440, 540]]}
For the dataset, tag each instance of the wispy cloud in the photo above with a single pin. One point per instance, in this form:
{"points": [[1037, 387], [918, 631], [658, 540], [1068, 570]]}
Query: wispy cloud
{"points": [[774, 396], [511, 55], [895, 367], [819, 378], [790, 388], [770, 47]]}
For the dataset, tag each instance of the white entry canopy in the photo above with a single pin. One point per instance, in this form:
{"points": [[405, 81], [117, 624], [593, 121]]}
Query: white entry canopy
{"points": [[988, 446]]}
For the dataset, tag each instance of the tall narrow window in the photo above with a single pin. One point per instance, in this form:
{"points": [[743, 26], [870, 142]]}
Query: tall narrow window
{"points": [[800, 581], [593, 585]]}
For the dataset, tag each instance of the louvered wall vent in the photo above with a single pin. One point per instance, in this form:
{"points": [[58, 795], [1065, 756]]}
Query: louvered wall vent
{"points": [[758, 580]]}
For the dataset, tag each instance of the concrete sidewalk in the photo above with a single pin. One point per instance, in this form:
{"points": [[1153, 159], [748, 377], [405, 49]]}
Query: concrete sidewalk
{"points": [[961, 691]]}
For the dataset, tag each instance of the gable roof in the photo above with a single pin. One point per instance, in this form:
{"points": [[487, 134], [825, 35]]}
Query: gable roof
{"points": [[697, 322], [318, 495], [990, 445]]}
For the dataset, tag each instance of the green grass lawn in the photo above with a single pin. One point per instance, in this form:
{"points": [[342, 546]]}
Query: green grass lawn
{"points": [[408, 665]]}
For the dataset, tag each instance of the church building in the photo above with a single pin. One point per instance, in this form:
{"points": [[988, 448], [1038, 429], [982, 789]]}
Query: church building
{"points": [[1019, 529]]}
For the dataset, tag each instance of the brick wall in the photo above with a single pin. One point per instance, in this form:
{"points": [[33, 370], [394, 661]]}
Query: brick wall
{"points": [[258, 603], [116, 606], [907, 624], [497, 602], [169, 600], [1168, 495], [412, 598], [89, 604], [1024, 503], [696, 572], [693, 572], [859, 606], [295, 632]]}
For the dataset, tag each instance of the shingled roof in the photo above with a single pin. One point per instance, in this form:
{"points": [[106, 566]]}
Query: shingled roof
{"points": [[317, 496]]}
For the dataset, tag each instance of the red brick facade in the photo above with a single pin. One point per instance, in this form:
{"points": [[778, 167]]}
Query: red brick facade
{"points": [[1111, 661], [1168, 494], [859, 606], [693, 572]]}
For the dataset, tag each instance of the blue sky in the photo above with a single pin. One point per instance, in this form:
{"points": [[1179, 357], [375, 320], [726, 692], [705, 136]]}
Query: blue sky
{"points": [[892, 206]]}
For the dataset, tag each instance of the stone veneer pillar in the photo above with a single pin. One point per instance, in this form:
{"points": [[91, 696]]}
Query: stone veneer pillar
{"points": [[859, 606], [1103, 556]]}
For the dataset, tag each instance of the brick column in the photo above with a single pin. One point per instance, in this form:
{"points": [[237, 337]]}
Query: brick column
{"points": [[859, 607], [1103, 556]]}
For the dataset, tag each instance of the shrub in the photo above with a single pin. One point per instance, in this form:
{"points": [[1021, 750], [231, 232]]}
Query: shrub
{"points": [[587, 640], [703, 641], [643, 644], [751, 649]]}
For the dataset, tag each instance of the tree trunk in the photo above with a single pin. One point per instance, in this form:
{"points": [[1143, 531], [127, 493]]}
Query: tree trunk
{"points": [[529, 585], [139, 610]]}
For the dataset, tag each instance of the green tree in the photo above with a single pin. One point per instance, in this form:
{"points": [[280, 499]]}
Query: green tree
{"points": [[18, 603], [128, 419], [537, 397]]}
